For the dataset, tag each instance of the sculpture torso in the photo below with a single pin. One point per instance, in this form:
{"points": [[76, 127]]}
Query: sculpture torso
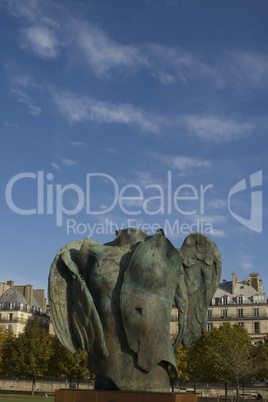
{"points": [[104, 279], [115, 301]]}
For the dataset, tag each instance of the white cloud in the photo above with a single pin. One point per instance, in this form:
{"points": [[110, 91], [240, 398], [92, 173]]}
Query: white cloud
{"points": [[186, 162], [10, 125], [217, 203], [215, 128], [213, 219], [28, 10], [219, 233], [164, 78], [78, 144], [83, 108], [23, 98], [246, 266], [40, 40], [68, 162], [21, 82], [111, 150], [47, 32], [246, 262], [247, 69], [145, 178], [55, 166], [102, 53], [168, 63], [34, 110], [19, 79], [64, 162], [181, 162]]}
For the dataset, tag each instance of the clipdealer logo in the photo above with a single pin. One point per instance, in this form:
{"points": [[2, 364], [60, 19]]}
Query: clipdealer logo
{"points": [[51, 200], [255, 220], [50, 197]]}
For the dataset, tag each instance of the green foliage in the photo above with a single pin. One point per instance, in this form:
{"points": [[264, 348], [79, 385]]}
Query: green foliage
{"points": [[262, 352], [181, 360], [224, 354], [36, 354], [67, 364], [6, 342], [31, 352]]}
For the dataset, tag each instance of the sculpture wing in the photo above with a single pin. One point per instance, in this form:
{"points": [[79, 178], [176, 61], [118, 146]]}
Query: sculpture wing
{"points": [[201, 260], [74, 316]]}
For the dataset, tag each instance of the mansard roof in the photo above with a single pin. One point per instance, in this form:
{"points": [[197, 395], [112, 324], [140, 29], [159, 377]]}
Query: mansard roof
{"points": [[242, 288], [13, 296]]}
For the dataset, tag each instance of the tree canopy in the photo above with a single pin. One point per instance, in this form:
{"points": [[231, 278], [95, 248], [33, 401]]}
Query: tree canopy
{"points": [[225, 354], [37, 354]]}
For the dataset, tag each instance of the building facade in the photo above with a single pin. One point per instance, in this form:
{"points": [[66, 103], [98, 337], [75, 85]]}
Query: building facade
{"points": [[236, 302], [20, 305], [243, 303]]}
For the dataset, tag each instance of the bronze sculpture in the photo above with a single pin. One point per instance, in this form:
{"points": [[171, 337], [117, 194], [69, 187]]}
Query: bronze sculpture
{"points": [[115, 300]]}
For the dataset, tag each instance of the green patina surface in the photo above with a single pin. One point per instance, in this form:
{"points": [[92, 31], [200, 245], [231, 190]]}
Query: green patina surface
{"points": [[115, 300]]}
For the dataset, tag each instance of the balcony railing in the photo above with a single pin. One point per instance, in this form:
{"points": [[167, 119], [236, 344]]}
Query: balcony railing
{"points": [[21, 307], [14, 320], [231, 317]]}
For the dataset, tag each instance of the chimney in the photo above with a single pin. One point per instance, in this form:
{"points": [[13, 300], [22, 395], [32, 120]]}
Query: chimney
{"points": [[255, 282], [10, 284], [234, 282], [260, 287], [29, 294]]}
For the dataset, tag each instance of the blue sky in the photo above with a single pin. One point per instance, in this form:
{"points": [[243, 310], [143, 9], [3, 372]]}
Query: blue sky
{"points": [[140, 113]]}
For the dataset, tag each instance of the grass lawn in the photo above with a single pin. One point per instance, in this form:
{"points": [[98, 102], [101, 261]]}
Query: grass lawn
{"points": [[24, 398]]}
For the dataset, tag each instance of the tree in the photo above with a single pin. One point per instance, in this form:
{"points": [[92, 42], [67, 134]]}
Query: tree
{"points": [[262, 349], [6, 340], [224, 354], [30, 353], [181, 360], [70, 365], [76, 366]]}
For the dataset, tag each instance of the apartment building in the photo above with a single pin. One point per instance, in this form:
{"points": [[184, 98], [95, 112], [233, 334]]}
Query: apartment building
{"points": [[20, 305], [243, 303]]}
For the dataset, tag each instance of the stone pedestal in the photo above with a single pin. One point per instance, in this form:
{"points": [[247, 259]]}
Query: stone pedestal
{"points": [[66, 395]]}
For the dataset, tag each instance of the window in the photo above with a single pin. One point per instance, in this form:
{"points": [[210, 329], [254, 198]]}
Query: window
{"points": [[218, 300], [209, 313], [241, 324], [225, 300], [240, 313], [240, 300], [224, 313], [256, 312], [209, 326], [0, 316], [256, 327], [10, 317]]}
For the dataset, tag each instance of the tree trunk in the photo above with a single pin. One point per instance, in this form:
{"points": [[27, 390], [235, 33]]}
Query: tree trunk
{"points": [[237, 391], [226, 389], [33, 386]]}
